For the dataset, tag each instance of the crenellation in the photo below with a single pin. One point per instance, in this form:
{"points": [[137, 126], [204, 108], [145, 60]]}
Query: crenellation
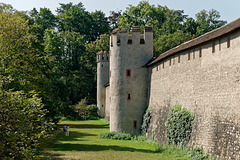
{"points": [[123, 36]]}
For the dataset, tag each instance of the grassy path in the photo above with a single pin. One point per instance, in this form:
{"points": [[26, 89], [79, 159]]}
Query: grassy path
{"points": [[84, 144]]}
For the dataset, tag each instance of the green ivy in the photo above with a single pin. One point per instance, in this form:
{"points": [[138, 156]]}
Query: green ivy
{"points": [[179, 125], [146, 120]]}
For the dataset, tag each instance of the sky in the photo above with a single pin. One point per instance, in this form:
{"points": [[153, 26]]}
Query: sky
{"points": [[229, 9]]}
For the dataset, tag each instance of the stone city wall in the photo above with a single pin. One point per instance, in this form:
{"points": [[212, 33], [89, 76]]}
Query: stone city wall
{"points": [[206, 80]]}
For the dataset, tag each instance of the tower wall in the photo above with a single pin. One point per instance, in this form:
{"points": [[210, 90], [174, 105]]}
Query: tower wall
{"points": [[102, 80], [128, 78]]}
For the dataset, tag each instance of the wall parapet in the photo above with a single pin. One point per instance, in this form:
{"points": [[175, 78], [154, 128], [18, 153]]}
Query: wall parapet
{"points": [[123, 35], [103, 56]]}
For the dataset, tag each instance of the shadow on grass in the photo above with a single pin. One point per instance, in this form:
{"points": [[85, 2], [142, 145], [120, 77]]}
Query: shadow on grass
{"points": [[89, 147], [92, 126], [74, 136]]}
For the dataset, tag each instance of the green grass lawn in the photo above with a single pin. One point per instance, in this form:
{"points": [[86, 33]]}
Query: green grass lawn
{"points": [[84, 143]]}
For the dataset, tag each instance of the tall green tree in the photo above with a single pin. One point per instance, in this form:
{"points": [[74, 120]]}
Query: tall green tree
{"points": [[207, 21]]}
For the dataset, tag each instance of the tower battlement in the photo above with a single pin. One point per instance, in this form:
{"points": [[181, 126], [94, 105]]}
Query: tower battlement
{"points": [[103, 56], [120, 36]]}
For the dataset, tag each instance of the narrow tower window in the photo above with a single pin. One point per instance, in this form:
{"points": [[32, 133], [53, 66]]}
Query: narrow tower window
{"points": [[135, 124], [128, 72], [102, 65], [102, 57], [179, 58], [170, 62], [129, 96]]}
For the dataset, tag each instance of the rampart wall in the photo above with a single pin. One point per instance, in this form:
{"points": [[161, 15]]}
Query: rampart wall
{"points": [[206, 80]]}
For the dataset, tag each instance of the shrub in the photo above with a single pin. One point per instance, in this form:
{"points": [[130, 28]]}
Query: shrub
{"points": [[22, 125], [122, 136], [179, 125], [86, 112]]}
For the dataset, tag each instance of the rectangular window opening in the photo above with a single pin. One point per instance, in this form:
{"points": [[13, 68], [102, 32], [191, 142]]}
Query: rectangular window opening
{"points": [[157, 68], [179, 58], [129, 96], [170, 63], [128, 72], [135, 124]]}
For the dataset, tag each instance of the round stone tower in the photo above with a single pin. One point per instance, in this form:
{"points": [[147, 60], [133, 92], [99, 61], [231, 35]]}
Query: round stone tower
{"points": [[128, 78], [102, 80]]}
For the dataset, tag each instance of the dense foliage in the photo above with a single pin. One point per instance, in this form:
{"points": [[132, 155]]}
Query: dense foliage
{"points": [[146, 120], [23, 123], [170, 27], [85, 111], [179, 125]]}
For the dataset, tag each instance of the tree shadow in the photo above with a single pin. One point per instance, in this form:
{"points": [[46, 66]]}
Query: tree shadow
{"points": [[93, 126], [93, 147], [73, 136]]}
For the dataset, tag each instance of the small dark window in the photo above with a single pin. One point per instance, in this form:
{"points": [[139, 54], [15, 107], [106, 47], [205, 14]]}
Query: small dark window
{"points": [[102, 57], [228, 41], [118, 39], [142, 41], [179, 58], [102, 65], [128, 72], [134, 124], [102, 105], [163, 65], [157, 68], [200, 52], [129, 41], [213, 47], [129, 96], [170, 62], [107, 57]]}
